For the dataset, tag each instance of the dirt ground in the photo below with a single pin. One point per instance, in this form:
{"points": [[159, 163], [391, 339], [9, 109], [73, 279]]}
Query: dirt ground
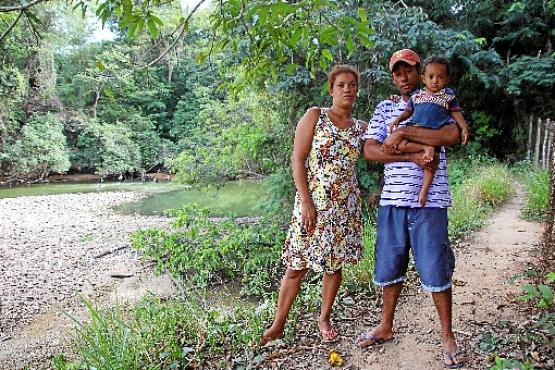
{"points": [[483, 296]]}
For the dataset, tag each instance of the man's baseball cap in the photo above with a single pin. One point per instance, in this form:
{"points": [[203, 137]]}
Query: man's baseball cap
{"points": [[405, 55]]}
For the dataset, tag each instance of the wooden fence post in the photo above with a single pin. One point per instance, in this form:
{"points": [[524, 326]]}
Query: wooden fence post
{"points": [[538, 139], [547, 132], [530, 129]]}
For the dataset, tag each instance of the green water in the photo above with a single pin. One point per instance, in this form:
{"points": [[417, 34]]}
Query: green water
{"points": [[66, 188], [237, 198], [234, 198]]}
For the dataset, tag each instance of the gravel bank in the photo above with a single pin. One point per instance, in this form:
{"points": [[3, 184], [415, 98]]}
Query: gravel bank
{"points": [[50, 254]]}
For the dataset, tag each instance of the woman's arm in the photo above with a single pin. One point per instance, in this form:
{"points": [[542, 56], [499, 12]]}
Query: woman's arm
{"points": [[301, 148]]}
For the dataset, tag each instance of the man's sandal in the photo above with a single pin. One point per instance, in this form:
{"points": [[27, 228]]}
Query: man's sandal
{"points": [[376, 341], [452, 357]]}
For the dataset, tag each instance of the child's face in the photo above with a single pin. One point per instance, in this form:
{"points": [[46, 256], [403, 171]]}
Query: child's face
{"points": [[435, 77]]}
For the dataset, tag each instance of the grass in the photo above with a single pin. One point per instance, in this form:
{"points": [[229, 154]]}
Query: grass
{"points": [[191, 332], [537, 183], [486, 186]]}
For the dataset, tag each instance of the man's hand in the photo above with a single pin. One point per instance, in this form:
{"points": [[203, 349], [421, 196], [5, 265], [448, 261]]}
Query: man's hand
{"points": [[390, 144]]}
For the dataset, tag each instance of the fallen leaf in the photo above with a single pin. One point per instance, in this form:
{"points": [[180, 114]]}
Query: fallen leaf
{"points": [[335, 359], [458, 282]]}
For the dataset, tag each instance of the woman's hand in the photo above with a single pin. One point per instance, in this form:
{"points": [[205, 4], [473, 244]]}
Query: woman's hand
{"points": [[308, 216]]}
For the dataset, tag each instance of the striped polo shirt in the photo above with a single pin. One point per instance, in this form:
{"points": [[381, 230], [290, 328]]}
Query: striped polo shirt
{"points": [[403, 180]]}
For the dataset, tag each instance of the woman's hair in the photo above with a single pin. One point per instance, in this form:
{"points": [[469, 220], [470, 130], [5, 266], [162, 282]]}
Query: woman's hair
{"points": [[342, 68], [437, 60]]}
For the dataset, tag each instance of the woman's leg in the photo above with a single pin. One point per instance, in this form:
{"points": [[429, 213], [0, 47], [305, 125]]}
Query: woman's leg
{"points": [[290, 285], [330, 286]]}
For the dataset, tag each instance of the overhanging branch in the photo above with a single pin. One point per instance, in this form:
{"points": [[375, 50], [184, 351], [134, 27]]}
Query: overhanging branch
{"points": [[20, 7], [172, 45], [8, 30]]}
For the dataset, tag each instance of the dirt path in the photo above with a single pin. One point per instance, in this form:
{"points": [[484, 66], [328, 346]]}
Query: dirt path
{"points": [[486, 262]]}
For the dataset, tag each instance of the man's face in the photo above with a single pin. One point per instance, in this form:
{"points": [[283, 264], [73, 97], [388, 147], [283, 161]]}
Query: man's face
{"points": [[405, 77]]}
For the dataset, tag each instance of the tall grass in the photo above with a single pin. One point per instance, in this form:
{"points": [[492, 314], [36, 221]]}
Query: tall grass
{"points": [[537, 185], [474, 199], [362, 273]]}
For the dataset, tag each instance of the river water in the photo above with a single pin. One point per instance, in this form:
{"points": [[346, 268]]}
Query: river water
{"points": [[234, 198]]}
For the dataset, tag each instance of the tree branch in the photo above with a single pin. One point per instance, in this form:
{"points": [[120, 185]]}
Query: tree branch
{"points": [[6, 9], [8, 30], [172, 45]]}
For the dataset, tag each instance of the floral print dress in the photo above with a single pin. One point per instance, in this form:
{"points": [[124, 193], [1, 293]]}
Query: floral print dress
{"points": [[333, 185]]}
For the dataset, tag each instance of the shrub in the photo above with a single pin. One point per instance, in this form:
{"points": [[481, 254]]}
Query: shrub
{"points": [[40, 149]]}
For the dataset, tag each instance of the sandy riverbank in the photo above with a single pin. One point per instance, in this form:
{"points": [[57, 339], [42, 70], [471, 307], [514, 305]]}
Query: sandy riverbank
{"points": [[50, 249]]}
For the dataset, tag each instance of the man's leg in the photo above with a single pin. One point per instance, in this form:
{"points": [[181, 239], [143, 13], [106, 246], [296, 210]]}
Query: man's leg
{"points": [[384, 331], [444, 303], [330, 286], [290, 285]]}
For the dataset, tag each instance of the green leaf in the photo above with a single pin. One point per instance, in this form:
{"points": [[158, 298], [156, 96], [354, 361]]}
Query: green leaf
{"points": [[350, 45], [328, 35], [325, 89], [201, 58], [362, 15], [530, 292], [327, 54], [99, 65], [291, 67], [295, 37], [152, 28], [366, 41], [157, 20], [550, 277]]}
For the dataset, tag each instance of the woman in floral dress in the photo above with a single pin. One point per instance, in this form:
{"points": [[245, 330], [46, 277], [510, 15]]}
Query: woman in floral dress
{"points": [[326, 229]]}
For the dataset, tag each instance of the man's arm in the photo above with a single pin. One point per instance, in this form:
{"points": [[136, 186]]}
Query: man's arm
{"points": [[373, 152], [445, 136]]}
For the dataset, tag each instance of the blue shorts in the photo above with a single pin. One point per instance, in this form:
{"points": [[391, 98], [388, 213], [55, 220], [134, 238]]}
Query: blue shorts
{"points": [[425, 231]]}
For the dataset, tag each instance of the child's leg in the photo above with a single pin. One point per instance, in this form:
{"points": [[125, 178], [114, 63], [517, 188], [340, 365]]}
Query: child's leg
{"points": [[426, 183], [406, 146]]}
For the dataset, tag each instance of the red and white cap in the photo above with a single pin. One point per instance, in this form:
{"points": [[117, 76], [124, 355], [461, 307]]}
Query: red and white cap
{"points": [[405, 55]]}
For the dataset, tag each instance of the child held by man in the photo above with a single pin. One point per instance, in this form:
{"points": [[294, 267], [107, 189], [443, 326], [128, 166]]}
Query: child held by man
{"points": [[431, 107]]}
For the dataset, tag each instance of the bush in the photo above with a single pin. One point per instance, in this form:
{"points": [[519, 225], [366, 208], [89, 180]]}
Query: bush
{"points": [[40, 149], [204, 251], [106, 148]]}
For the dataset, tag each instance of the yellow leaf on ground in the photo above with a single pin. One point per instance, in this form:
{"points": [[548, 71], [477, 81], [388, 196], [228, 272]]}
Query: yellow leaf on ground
{"points": [[335, 359]]}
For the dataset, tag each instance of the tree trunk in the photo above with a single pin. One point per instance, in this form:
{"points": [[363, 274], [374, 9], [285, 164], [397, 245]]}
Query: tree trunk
{"points": [[538, 140], [96, 99]]}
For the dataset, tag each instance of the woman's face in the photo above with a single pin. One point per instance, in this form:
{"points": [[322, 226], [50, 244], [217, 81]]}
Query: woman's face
{"points": [[344, 89]]}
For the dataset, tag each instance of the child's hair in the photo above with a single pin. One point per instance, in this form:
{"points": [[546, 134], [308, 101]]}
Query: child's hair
{"points": [[342, 68], [435, 59]]}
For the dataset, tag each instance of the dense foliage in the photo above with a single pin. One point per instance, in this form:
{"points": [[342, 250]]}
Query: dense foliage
{"points": [[222, 99]]}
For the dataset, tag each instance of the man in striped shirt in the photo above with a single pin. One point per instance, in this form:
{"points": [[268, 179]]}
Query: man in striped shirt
{"points": [[402, 223]]}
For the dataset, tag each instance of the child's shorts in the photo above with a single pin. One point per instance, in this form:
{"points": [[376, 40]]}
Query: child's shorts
{"points": [[423, 229]]}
